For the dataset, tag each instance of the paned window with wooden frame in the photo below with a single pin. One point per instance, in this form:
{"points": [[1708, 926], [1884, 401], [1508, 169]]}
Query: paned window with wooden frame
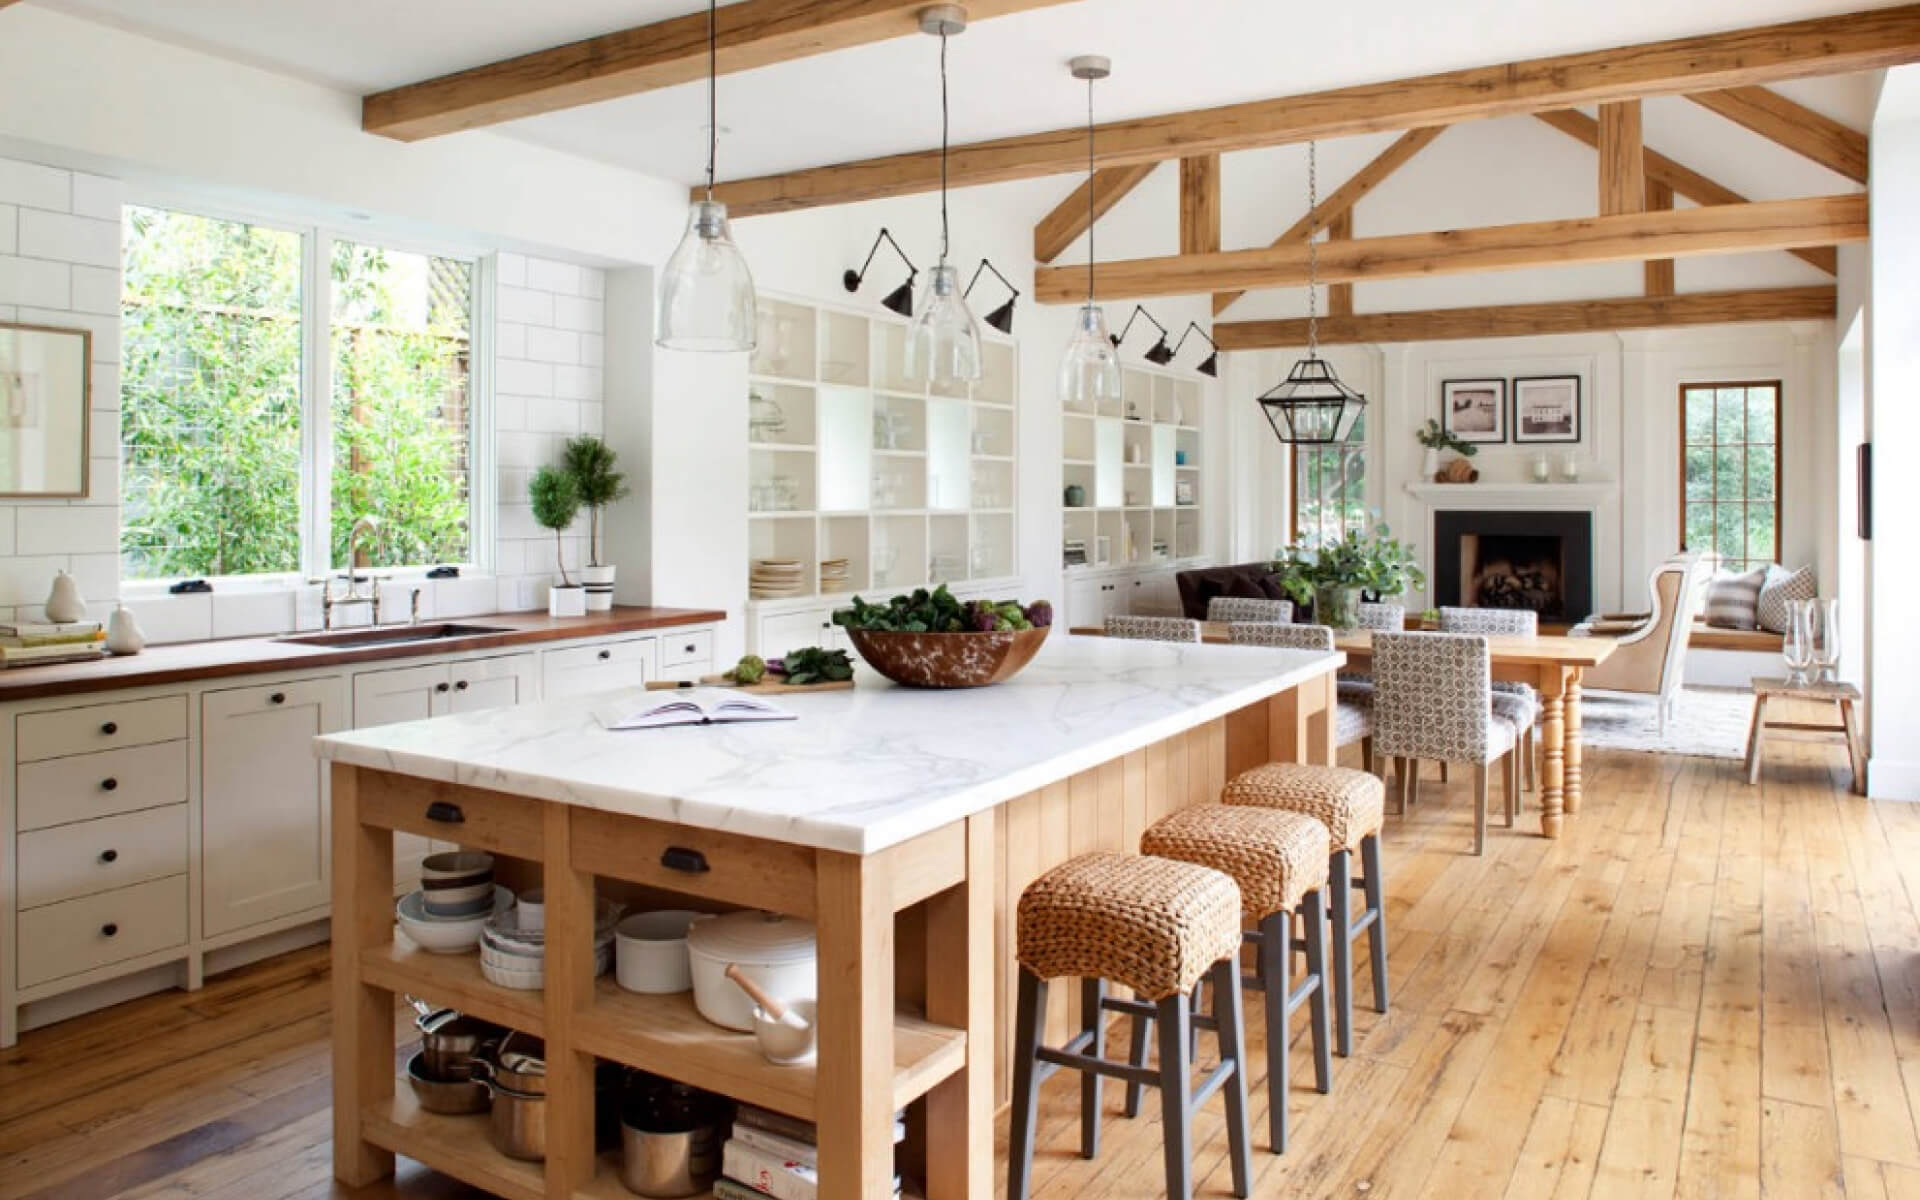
{"points": [[1330, 487], [1730, 471]]}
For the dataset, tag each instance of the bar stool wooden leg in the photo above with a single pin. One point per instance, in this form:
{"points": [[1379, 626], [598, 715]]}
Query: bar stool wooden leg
{"points": [[1374, 885], [1030, 1015], [1093, 995], [1313, 912], [1230, 1016], [1137, 1055], [1340, 883], [1276, 964], [1176, 1103]]}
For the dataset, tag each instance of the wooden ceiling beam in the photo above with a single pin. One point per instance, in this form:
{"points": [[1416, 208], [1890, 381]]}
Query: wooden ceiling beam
{"points": [[1348, 194], [1796, 49], [1658, 274], [1795, 126], [1684, 180], [1069, 218], [750, 34], [1623, 161], [1340, 295], [1200, 204], [1726, 229], [1526, 320]]}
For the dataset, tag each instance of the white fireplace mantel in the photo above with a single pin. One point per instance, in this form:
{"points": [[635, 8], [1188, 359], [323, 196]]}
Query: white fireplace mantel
{"points": [[1508, 496]]}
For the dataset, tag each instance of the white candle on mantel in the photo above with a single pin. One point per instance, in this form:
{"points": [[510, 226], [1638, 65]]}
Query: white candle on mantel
{"points": [[1542, 471]]}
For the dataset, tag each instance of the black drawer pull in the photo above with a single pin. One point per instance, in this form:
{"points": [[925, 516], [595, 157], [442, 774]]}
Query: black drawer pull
{"points": [[109, 929], [109, 783], [461, 686], [679, 858], [446, 811], [277, 698], [695, 649], [605, 655], [110, 728], [107, 856], [439, 687]]}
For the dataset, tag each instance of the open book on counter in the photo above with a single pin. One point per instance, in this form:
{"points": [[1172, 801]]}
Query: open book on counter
{"points": [[689, 706]]}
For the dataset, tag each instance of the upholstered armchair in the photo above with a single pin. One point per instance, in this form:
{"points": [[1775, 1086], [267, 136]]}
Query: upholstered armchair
{"points": [[1650, 650], [1249, 608], [1353, 713], [1153, 629]]}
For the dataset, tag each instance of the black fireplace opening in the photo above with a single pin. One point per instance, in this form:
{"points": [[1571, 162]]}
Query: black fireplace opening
{"points": [[1542, 561]]}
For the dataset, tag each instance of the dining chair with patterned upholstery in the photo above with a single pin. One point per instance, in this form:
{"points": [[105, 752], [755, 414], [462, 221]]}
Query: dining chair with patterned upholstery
{"points": [[1249, 608], [1353, 713], [1433, 699], [1392, 618], [1153, 629], [1515, 701]]}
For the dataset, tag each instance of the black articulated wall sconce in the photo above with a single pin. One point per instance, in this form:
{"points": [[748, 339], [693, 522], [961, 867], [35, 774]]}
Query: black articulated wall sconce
{"points": [[1159, 354], [1210, 365], [900, 299], [1000, 318]]}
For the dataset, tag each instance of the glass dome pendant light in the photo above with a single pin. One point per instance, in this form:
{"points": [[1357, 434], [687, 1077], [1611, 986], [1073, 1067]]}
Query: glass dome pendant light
{"points": [[1090, 372], [943, 343], [1311, 407], [706, 291]]}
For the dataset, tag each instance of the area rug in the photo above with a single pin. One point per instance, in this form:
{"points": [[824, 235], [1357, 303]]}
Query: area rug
{"points": [[1706, 723]]}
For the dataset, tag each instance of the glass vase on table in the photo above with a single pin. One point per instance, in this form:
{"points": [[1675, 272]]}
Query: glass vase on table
{"points": [[1824, 639], [1796, 647]]}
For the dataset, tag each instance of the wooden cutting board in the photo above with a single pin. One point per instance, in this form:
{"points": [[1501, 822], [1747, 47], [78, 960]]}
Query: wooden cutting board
{"points": [[766, 687]]}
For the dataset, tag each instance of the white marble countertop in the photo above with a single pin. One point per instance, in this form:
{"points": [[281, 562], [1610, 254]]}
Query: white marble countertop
{"points": [[861, 769]]}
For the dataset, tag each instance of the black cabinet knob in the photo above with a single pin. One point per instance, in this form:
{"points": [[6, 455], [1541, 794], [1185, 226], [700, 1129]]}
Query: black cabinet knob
{"points": [[107, 856], [110, 728], [109, 929], [439, 687], [277, 698], [605, 655], [461, 686], [109, 783], [694, 650]]}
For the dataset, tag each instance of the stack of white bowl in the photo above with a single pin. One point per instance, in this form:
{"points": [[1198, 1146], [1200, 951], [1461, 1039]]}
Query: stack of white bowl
{"points": [[446, 935], [457, 883], [513, 944]]}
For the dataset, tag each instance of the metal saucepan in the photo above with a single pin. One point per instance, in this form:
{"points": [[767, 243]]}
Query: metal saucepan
{"points": [[455, 1096], [518, 1128], [517, 1062], [450, 1042], [671, 1137]]}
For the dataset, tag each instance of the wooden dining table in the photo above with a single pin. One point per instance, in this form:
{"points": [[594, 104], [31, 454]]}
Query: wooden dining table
{"points": [[1553, 665]]}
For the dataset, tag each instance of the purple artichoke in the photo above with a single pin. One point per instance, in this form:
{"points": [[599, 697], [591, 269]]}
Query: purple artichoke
{"points": [[1040, 613]]}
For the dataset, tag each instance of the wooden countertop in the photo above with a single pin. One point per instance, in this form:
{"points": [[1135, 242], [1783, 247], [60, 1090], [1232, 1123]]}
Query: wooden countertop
{"points": [[189, 661]]}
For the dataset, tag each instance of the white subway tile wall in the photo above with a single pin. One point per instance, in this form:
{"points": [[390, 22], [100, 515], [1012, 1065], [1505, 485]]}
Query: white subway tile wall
{"points": [[60, 266]]}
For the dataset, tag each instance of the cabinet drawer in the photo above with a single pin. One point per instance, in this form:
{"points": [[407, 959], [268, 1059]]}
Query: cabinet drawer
{"points": [[85, 786], [98, 856], [78, 935], [582, 669], [101, 727], [495, 821], [685, 649]]}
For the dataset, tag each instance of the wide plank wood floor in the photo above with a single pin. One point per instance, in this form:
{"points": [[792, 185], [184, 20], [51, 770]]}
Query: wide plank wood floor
{"points": [[1703, 989]]}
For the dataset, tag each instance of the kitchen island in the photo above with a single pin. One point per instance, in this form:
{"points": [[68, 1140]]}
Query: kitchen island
{"points": [[903, 823]]}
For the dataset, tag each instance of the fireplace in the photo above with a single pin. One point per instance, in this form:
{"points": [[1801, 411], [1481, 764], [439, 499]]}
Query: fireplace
{"points": [[1541, 561]]}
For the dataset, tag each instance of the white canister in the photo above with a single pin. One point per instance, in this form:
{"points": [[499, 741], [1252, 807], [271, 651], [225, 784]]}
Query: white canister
{"points": [[781, 954], [650, 951]]}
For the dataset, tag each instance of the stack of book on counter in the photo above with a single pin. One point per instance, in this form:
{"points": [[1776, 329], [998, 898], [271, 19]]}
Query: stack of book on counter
{"points": [[30, 645], [774, 1155]]}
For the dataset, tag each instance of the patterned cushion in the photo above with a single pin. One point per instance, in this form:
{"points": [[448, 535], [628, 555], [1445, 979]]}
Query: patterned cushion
{"points": [[1153, 629], [1733, 601], [1432, 698], [1508, 622], [1247, 608], [1390, 617], [1515, 709], [1153, 924], [1356, 691], [1290, 637], [1781, 588], [1350, 803], [1351, 722], [1276, 857]]}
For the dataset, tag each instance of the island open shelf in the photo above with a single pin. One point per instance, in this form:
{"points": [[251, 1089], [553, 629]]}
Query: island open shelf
{"points": [[457, 1146]]}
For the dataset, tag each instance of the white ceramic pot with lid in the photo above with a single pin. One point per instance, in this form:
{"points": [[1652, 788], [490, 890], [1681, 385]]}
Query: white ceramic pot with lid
{"points": [[779, 953]]}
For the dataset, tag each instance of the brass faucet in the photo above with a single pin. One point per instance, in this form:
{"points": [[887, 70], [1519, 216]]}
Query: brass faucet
{"points": [[369, 526]]}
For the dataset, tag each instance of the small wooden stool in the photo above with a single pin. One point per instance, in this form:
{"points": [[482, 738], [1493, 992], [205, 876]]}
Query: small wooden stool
{"points": [[1155, 926], [1352, 805], [1844, 694], [1279, 859]]}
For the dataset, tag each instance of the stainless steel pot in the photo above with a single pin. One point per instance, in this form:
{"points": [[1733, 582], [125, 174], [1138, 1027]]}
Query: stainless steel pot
{"points": [[518, 1062], [449, 1042], [671, 1137], [518, 1127], [436, 1095]]}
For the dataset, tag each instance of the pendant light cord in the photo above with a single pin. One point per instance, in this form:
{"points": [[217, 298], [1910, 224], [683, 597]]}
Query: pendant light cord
{"points": [[1313, 250], [713, 107], [943, 146], [1092, 218]]}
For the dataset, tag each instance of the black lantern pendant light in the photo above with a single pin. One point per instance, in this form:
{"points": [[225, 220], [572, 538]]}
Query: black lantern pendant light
{"points": [[1311, 406]]}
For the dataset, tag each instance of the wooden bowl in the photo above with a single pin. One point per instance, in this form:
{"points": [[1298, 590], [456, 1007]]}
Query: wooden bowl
{"points": [[947, 660]]}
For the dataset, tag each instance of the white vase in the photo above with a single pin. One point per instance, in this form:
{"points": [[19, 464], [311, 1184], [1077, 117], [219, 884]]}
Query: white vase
{"points": [[64, 601], [598, 581], [566, 601], [123, 632], [1429, 465]]}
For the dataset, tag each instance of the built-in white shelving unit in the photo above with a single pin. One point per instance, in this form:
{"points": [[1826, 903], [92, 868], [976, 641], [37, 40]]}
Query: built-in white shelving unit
{"points": [[851, 459], [1134, 467]]}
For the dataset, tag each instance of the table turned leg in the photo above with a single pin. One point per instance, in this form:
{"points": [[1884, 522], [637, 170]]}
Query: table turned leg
{"points": [[1575, 776], [1754, 737], [1553, 747]]}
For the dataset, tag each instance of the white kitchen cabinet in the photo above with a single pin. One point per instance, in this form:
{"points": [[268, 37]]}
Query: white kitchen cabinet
{"points": [[263, 801], [496, 682], [579, 670]]}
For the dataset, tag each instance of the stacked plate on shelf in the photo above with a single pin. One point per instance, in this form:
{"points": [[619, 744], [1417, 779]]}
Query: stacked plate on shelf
{"points": [[834, 575], [774, 578]]}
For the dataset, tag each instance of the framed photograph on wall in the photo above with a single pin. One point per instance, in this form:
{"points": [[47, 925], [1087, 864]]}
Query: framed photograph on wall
{"points": [[1475, 410], [1546, 408], [44, 384]]}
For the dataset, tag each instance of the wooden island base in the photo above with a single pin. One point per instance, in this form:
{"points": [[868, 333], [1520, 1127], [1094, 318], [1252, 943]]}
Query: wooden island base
{"points": [[915, 986]]}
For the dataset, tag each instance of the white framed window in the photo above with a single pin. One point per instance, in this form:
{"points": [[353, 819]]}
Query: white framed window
{"points": [[1330, 487], [280, 381]]}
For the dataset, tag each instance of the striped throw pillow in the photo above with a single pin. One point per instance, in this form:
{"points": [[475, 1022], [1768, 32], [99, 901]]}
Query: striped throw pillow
{"points": [[1733, 601], [1783, 587]]}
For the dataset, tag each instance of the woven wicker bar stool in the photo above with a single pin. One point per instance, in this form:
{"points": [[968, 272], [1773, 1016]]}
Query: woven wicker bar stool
{"points": [[1352, 805], [1279, 860], [1155, 926]]}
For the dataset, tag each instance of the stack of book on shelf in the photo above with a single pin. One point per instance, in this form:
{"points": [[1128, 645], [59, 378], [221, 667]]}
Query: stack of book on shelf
{"points": [[774, 1155], [30, 645]]}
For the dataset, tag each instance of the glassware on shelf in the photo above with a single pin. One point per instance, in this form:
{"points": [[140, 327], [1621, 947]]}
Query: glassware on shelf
{"points": [[1796, 648], [1824, 638], [885, 558], [1569, 468], [766, 420]]}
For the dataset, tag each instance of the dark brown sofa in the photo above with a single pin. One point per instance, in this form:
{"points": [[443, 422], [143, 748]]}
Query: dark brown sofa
{"points": [[1202, 584]]}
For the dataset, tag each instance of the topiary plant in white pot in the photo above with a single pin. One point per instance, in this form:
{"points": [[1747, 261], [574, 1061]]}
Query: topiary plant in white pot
{"points": [[556, 502], [591, 463]]}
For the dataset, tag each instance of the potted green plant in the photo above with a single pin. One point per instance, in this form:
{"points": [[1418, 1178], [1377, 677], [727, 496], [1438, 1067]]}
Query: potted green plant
{"points": [[1437, 437], [591, 463], [556, 502], [1333, 576]]}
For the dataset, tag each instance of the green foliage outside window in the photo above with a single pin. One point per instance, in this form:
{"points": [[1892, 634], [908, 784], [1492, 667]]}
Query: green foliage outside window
{"points": [[1731, 472], [1330, 488]]}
